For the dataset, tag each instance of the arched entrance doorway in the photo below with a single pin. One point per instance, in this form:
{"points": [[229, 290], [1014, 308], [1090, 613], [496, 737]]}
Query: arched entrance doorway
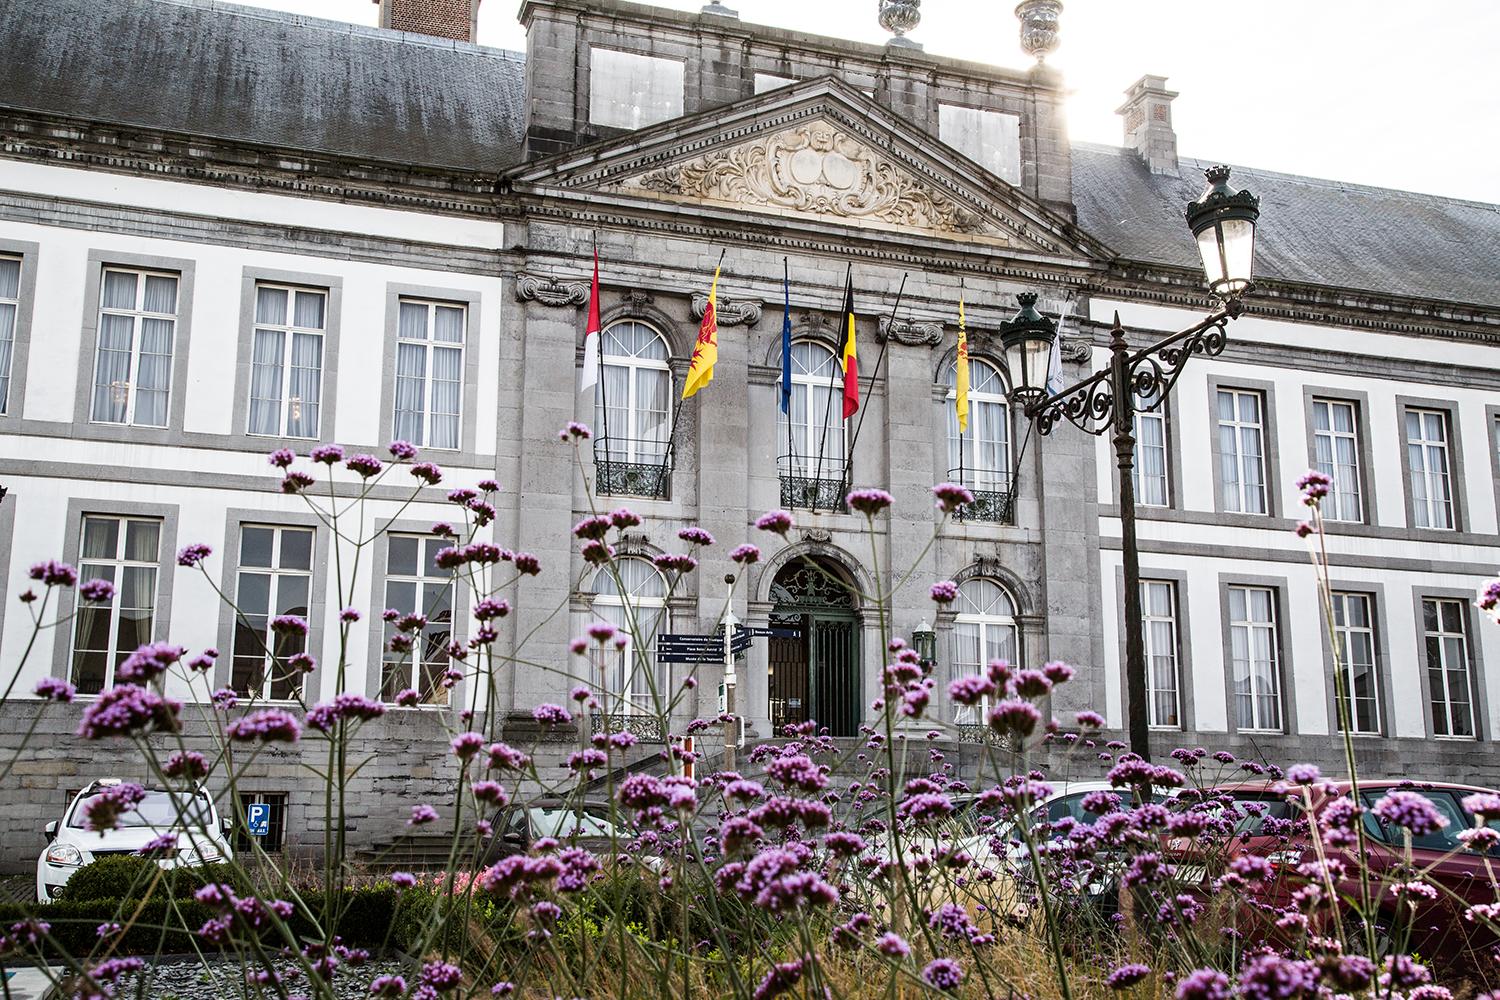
{"points": [[815, 674]]}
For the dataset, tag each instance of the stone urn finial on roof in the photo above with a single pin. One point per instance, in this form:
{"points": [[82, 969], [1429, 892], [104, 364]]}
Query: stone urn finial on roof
{"points": [[1039, 26], [898, 17]]}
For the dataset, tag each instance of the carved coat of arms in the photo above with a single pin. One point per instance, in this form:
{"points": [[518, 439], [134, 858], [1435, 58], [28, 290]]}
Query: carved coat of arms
{"points": [[819, 169]]}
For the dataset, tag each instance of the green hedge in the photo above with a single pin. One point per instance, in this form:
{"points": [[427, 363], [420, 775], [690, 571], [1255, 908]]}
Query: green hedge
{"points": [[166, 926]]}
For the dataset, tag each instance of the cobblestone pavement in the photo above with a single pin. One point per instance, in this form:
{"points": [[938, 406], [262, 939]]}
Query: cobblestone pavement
{"points": [[219, 979]]}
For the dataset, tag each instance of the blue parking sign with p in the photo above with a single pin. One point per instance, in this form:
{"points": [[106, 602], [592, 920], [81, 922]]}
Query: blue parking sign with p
{"points": [[258, 819]]}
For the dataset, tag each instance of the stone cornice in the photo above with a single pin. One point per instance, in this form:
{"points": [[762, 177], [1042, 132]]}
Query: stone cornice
{"points": [[1313, 304], [205, 160], [730, 312], [550, 291]]}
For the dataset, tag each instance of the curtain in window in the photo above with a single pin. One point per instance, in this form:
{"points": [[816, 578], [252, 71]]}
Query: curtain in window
{"points": [[653, 389], [265, 382], [612, 411], [306, 386], [1151, 459], [154, 367], [447, 384], [1337, 457], [1161, 651], [10, 288], [411, 383], [116, 342]]}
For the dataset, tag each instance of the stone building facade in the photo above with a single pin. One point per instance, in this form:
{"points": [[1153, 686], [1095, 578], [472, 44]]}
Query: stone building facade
{"points": [[283, 196]]}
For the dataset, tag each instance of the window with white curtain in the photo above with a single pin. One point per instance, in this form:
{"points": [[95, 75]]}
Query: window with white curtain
{"points": [[1159, 637], [10, 294], [416, 584], [1449, 685], [1256, 658], [125, 551], [1336, 450], [632, 596], [286, 363], [984, 629], [633, 397], [1152, 487], [275, 578], [814, 426], [980, 457], [1427, 461], [133, 366], [429, 373], [1354, 626], [1242, 453]]}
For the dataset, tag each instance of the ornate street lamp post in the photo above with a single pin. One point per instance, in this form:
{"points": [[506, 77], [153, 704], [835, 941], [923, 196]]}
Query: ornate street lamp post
{"points": [[1223, 222]]}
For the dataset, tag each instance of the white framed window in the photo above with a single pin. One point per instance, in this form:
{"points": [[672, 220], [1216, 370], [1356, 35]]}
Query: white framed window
{"points": [[1151, 482], [1354, 626], [984, 629], [815, 417], [633, 397], [1427, 460], [133, 364], [415, 584], [1449, 683], [980, 457], [126, 552], [1336, 453], [1159, 637], [275, 578], [10, 305], [430, 372], [1242, 452], [286, 362], [1256, 658], [627, 676]]}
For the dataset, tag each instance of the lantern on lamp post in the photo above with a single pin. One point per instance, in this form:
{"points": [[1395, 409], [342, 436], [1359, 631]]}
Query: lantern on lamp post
{"points": [[1026, 339]]}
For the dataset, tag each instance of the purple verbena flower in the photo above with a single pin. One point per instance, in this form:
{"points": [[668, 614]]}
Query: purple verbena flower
{"points": [[96, 590], [869, 501], [282, 457], [943, 974], [1411, 810], [951, 496], [402, 451], [149, 662], [777, 522], [1125, 976], [269, 725], [125, 709], [427, 472], [328, 454], [1314, 486], [421, 814], [54, 574], [944, 592], [745, 555], [54, 689], [192, 555], [551, 715], [696, 536]]}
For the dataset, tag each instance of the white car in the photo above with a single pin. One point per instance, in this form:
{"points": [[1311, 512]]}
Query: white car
{"points": [[202, 838]]}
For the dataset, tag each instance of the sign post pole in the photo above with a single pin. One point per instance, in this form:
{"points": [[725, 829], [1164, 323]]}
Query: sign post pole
{"points": [[731, 727]]}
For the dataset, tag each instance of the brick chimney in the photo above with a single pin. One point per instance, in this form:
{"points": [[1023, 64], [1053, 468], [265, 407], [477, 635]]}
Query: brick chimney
{"points": [[456, 19], [1148, 123]]}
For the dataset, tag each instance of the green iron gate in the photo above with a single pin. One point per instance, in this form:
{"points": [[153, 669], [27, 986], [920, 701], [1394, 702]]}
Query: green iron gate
{"points": [[815, 675]]}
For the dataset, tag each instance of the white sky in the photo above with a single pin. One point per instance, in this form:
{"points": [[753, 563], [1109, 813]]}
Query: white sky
{"points": [[1385, 92]]}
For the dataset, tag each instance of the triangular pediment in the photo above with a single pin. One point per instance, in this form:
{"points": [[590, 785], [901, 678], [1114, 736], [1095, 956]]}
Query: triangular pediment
{"points": [[818, 152]]}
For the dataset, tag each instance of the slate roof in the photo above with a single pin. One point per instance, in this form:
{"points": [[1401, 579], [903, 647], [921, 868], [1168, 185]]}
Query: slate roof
{"points": [[250, 75], [1311, 231]]}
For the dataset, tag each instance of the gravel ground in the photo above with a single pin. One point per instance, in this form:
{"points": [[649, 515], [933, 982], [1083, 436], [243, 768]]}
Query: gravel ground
{"points": [[193, 980]]}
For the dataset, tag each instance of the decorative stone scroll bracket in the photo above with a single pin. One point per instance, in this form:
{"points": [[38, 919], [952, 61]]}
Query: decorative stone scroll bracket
{"points": [[910, 333], [1076, 350], [551, 291], [732, 312]]}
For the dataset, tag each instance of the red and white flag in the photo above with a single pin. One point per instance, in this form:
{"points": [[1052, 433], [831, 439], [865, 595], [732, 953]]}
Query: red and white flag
{"points": [[589, 377]]}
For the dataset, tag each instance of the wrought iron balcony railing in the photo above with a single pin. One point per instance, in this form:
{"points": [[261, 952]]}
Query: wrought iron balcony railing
{"points": [[811, 485], [992, 497], [625, 467]]}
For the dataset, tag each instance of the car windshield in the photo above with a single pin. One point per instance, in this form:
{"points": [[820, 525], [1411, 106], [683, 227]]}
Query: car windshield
{"points": [[562, 823], [1256, 810], [157, 809], [1445, 839]]}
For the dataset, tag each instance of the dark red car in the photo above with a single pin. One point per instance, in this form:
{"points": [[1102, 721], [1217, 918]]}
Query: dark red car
{"points": [[1275, 826]]}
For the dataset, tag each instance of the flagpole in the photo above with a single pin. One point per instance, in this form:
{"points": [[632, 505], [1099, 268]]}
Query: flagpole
{"points": [[875, 372], [677, 409], [786, 400], [833, 375]]}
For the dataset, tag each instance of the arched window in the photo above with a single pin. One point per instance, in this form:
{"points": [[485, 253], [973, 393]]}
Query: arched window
{"points": [[810, 437], [624, 676], [980, 457], [983, 630], [633, 409]]}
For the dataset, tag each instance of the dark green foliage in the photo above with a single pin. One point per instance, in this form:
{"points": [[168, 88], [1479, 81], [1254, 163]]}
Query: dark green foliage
{"points": [[120, 876]]}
